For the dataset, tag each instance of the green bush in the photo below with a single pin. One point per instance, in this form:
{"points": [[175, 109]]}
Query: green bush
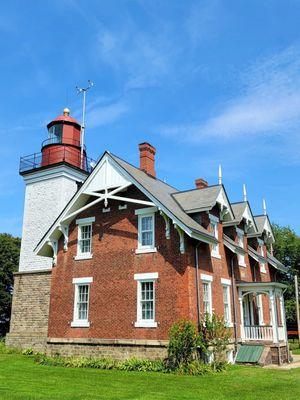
{"points": [[183, 341], [195, 367], [214, 338]]}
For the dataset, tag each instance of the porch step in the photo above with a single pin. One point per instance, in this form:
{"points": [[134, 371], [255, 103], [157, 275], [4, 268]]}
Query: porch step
{"points": [[248, 353]]}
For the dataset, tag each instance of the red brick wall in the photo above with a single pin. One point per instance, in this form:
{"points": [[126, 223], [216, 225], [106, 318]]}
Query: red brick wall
{"points": [[113, 293]]}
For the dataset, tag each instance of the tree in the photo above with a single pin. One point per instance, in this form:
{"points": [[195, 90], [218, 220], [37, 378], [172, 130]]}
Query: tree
{"points": [[9, 260], [287, 250]]}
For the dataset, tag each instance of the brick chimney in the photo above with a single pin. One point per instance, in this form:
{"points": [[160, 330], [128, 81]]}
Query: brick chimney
{"points": [[201, 183], [147, 158]]}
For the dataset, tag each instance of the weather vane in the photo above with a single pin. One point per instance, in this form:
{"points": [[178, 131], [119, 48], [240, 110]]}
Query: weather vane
{"points": [[83, 91]]}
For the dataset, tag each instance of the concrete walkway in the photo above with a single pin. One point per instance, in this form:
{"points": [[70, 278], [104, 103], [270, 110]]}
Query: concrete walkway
{"points": [[294, 364]]}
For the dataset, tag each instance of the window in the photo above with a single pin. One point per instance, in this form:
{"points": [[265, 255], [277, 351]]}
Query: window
{"points": [[207, 299], [81, 302], [214, 222], [146, 300], [84, 248], [240, 237], [146, 230], [226, 284], [55, 133], [262, 253], [259, 306]]}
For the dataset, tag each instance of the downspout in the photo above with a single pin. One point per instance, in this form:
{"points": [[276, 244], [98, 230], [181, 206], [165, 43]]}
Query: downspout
{"points": [[197, 285], [234, 305]]}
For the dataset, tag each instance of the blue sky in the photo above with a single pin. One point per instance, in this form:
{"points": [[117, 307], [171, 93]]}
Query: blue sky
{"points": [[206, 82]]}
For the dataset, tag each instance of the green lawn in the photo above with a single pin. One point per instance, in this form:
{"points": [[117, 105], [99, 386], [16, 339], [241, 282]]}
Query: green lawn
{"points": [[21, 378]]}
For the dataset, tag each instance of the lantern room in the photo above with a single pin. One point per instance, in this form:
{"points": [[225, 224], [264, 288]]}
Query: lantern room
{"points": [[63, 145]]}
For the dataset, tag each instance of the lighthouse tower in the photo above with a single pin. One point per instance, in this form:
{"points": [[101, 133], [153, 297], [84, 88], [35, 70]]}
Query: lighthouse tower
{"points": [[51, 177]]}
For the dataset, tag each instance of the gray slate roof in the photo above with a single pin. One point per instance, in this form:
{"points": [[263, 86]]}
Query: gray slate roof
{"points": [[260, 221], [238, 209], [276, 263], [231, 244], [163, 193], [198, 199]]}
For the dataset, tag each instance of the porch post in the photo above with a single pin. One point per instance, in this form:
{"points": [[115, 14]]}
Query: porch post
{"points": [[241, 315], [282, 309], [273, 315]]}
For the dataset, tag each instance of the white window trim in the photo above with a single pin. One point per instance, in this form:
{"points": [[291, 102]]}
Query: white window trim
{"points": [[145, 277], [76, 323], [215, 250], [145, 212], [208, 279], [241, 257], [227, 283], [84, 222]]}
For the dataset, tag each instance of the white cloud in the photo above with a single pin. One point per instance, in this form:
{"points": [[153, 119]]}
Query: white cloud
{"points": [[269, 103], [104, 115]]}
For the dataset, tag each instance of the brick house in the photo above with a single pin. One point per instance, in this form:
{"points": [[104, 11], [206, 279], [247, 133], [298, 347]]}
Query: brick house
{"points": [[112, 256]]}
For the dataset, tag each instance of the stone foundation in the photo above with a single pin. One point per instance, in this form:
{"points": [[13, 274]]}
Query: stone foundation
{"points": [[30, 310], [101, 348]]}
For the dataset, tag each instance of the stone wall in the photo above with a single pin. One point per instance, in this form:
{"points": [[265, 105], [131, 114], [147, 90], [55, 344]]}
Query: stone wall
{"points": [[115, 349], [30, 310]]}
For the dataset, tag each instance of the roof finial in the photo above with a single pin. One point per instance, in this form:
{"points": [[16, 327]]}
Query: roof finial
{"points": [[244, 192], [220, 174], [264, 207], [66, 112]]}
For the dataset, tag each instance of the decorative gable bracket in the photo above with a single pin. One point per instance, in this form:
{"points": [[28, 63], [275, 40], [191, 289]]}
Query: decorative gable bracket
{"points": [[181, 237], [223, 211], [54, 245], [167, 222], [64, 229]]}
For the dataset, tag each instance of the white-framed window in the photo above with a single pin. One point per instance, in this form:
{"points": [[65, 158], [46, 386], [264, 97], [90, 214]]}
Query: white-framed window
{"points": [[262, 253], [214, 223], [240, 237], [226, 285], [81, 302], [260, 311], [146, 230], [206, 292], [85, 235], [146, 300]]}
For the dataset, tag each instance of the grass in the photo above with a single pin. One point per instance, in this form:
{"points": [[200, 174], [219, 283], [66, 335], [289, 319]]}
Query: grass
{"points": [[21, 378]]}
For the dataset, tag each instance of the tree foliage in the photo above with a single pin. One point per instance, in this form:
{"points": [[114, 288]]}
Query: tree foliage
{"points": [[287, 250], [9, 260]]}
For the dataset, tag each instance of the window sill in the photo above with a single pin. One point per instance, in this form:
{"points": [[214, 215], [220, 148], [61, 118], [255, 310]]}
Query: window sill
{"points": [[243, 265], [145, 324], [80, 324], [87, 256], [216, 255], [143, 251]]}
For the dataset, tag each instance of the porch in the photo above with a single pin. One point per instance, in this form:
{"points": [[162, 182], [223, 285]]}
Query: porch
{"points": [[262, 312]]}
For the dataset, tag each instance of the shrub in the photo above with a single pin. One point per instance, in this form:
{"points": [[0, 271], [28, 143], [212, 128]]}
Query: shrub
{"points": [[134, 364], [183, 341], [214, 338], [195, 367], [28, 352]]}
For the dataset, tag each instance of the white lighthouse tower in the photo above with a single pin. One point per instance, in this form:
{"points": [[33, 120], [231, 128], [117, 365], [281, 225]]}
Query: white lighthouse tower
{"points": [[51, 177]]}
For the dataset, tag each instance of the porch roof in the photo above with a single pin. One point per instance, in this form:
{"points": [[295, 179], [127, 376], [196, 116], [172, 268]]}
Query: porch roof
{"points": [[260, 285]]}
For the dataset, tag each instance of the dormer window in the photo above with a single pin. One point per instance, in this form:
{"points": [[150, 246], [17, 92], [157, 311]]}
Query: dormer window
{"points": [[240, 239], [214, 224], [262, 253]]}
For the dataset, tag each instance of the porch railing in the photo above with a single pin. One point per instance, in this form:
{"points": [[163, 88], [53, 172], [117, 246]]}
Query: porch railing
{"points": [[254, 332]]}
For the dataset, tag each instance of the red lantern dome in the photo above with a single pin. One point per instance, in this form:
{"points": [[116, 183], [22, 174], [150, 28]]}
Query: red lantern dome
{"points": [[64, 142]]}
